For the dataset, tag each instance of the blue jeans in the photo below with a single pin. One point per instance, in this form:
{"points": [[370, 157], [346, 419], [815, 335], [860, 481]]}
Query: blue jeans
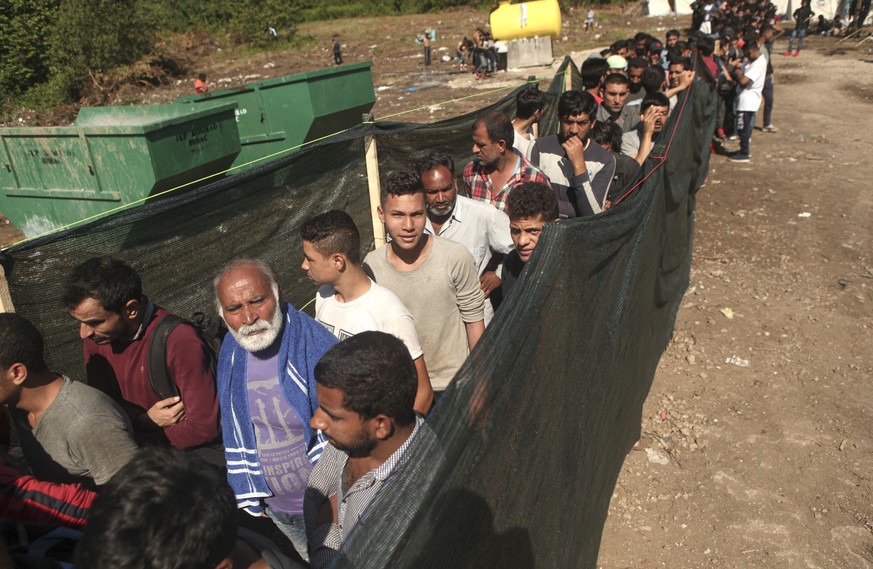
{"points": [[745, 124], [294, 529], [799, 34], [767, 93]]}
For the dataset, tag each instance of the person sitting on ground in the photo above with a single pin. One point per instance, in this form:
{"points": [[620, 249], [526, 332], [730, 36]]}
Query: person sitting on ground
{"points": [[69, 432], [481, 228], [366, 387], [609, 135], [638, 143], [533, 207], [635, 68], [266, 388], [168, 509], [497, 167], [118, 324], [750, 76], [529, 105], [580, 172], [616, 88], [435, 278], [348, 302], [200, 86], [593, 71]]}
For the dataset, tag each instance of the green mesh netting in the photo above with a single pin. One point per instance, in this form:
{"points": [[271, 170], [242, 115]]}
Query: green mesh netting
{"points": [[532, 433]]}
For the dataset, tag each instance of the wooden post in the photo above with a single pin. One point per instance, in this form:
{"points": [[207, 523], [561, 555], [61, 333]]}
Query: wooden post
{"points": [[5, 297], [373, 183]]}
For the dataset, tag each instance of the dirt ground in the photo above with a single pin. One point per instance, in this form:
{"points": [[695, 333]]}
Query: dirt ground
{"points": [[756, 448]]}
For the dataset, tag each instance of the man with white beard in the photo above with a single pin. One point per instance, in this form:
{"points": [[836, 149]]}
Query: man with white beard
{"points": [[267, 396]]}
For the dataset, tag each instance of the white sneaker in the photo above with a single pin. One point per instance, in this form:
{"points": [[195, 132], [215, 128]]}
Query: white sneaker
{"points": [[769, 128]]}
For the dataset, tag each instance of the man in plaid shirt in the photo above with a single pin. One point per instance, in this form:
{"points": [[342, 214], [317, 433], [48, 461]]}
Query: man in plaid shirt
{"points": [[497, 167]]}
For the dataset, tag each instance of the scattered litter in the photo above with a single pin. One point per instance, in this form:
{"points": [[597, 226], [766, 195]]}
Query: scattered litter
{"points": [[656, 457], [662, 414], [411, 90], [814, 157], [374, 46], [792, 159], [842, 284], [269, 65], [734, 360], [383, 88], [842, 444], [804, 214], [728, 313], [445, 59]]}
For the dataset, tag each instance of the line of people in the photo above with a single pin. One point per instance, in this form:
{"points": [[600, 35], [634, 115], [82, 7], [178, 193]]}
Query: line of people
{"points": [[309, 417]]}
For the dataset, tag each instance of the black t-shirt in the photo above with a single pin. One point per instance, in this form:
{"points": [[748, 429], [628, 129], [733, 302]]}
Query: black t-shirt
{"points": [[802, 17]]}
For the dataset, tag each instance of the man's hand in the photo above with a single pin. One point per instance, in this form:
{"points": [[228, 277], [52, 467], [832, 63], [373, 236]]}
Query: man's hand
{"points": [[167, 412], [649, 118], [327, 514], [488, 282], [685, 78], [575, 150]]}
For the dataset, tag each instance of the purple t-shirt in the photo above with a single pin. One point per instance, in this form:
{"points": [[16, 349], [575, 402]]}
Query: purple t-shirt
{"points": [[279, 434]]}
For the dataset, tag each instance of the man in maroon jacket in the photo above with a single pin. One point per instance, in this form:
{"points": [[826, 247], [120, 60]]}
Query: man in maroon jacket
{"points": [[117, 323]]}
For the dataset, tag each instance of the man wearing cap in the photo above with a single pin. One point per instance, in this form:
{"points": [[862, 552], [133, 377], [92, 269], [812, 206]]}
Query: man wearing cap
{"points": [[616, 89], [617, 64]]}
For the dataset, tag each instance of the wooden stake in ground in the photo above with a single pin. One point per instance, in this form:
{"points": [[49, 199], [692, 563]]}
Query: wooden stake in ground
{"points": [[372, 160], [5, 296]]}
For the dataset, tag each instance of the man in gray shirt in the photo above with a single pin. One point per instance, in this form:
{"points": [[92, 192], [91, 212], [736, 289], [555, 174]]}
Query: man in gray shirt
{"points": [[69, 432], [434, 278]]}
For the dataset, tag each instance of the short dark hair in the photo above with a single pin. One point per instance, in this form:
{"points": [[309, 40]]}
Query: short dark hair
{"points": [[705, 45], [593, 70], [528, 101], [110, 281], [616, 79], [618, 45], [672, 33], [607, 132], [432, 161], [652, 79], [573, 103], [375, 373], [685, 62], [332, 232], [164, 509], [637, 63], [498, 126], [654, 100], [20, 343], [530, 199], [401, 183]]}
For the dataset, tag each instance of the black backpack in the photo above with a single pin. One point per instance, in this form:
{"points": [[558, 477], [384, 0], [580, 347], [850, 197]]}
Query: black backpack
{"points": [[210, 330]]}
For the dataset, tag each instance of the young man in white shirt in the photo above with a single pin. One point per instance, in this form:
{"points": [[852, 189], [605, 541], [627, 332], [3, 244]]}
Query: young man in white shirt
{"points": [[348, 302], [750, 76]]}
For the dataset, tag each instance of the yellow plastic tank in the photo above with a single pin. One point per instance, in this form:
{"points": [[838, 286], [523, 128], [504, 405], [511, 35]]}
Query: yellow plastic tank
{"points": [[526, 20]]}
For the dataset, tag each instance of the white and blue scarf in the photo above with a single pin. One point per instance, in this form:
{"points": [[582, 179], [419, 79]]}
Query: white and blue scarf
{"points": [[304, 341]]}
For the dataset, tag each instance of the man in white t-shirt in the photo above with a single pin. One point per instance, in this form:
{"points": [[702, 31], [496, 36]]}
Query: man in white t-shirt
{"points": [[348, 302], [750, 77]]}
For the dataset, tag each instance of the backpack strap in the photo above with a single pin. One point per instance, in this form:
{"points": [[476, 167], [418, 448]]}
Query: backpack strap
{"points": [[159, 376]]}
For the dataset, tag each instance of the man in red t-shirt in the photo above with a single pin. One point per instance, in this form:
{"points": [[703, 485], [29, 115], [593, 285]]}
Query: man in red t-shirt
{"points": [[117, 323]]}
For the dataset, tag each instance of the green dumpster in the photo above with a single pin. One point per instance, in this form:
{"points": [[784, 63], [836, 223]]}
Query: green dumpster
{"points": [[111, 156], [279, 114]]}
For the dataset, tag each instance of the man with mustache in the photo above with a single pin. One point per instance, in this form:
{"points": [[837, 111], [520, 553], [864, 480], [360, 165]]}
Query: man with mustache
{"points": [[117, 323], [616, 88], [580, 172], [481, 228], [266, 390], [497, 167]]}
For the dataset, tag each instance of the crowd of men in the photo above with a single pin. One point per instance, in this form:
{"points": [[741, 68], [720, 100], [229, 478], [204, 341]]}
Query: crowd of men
{"points": [[300, 419]]}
